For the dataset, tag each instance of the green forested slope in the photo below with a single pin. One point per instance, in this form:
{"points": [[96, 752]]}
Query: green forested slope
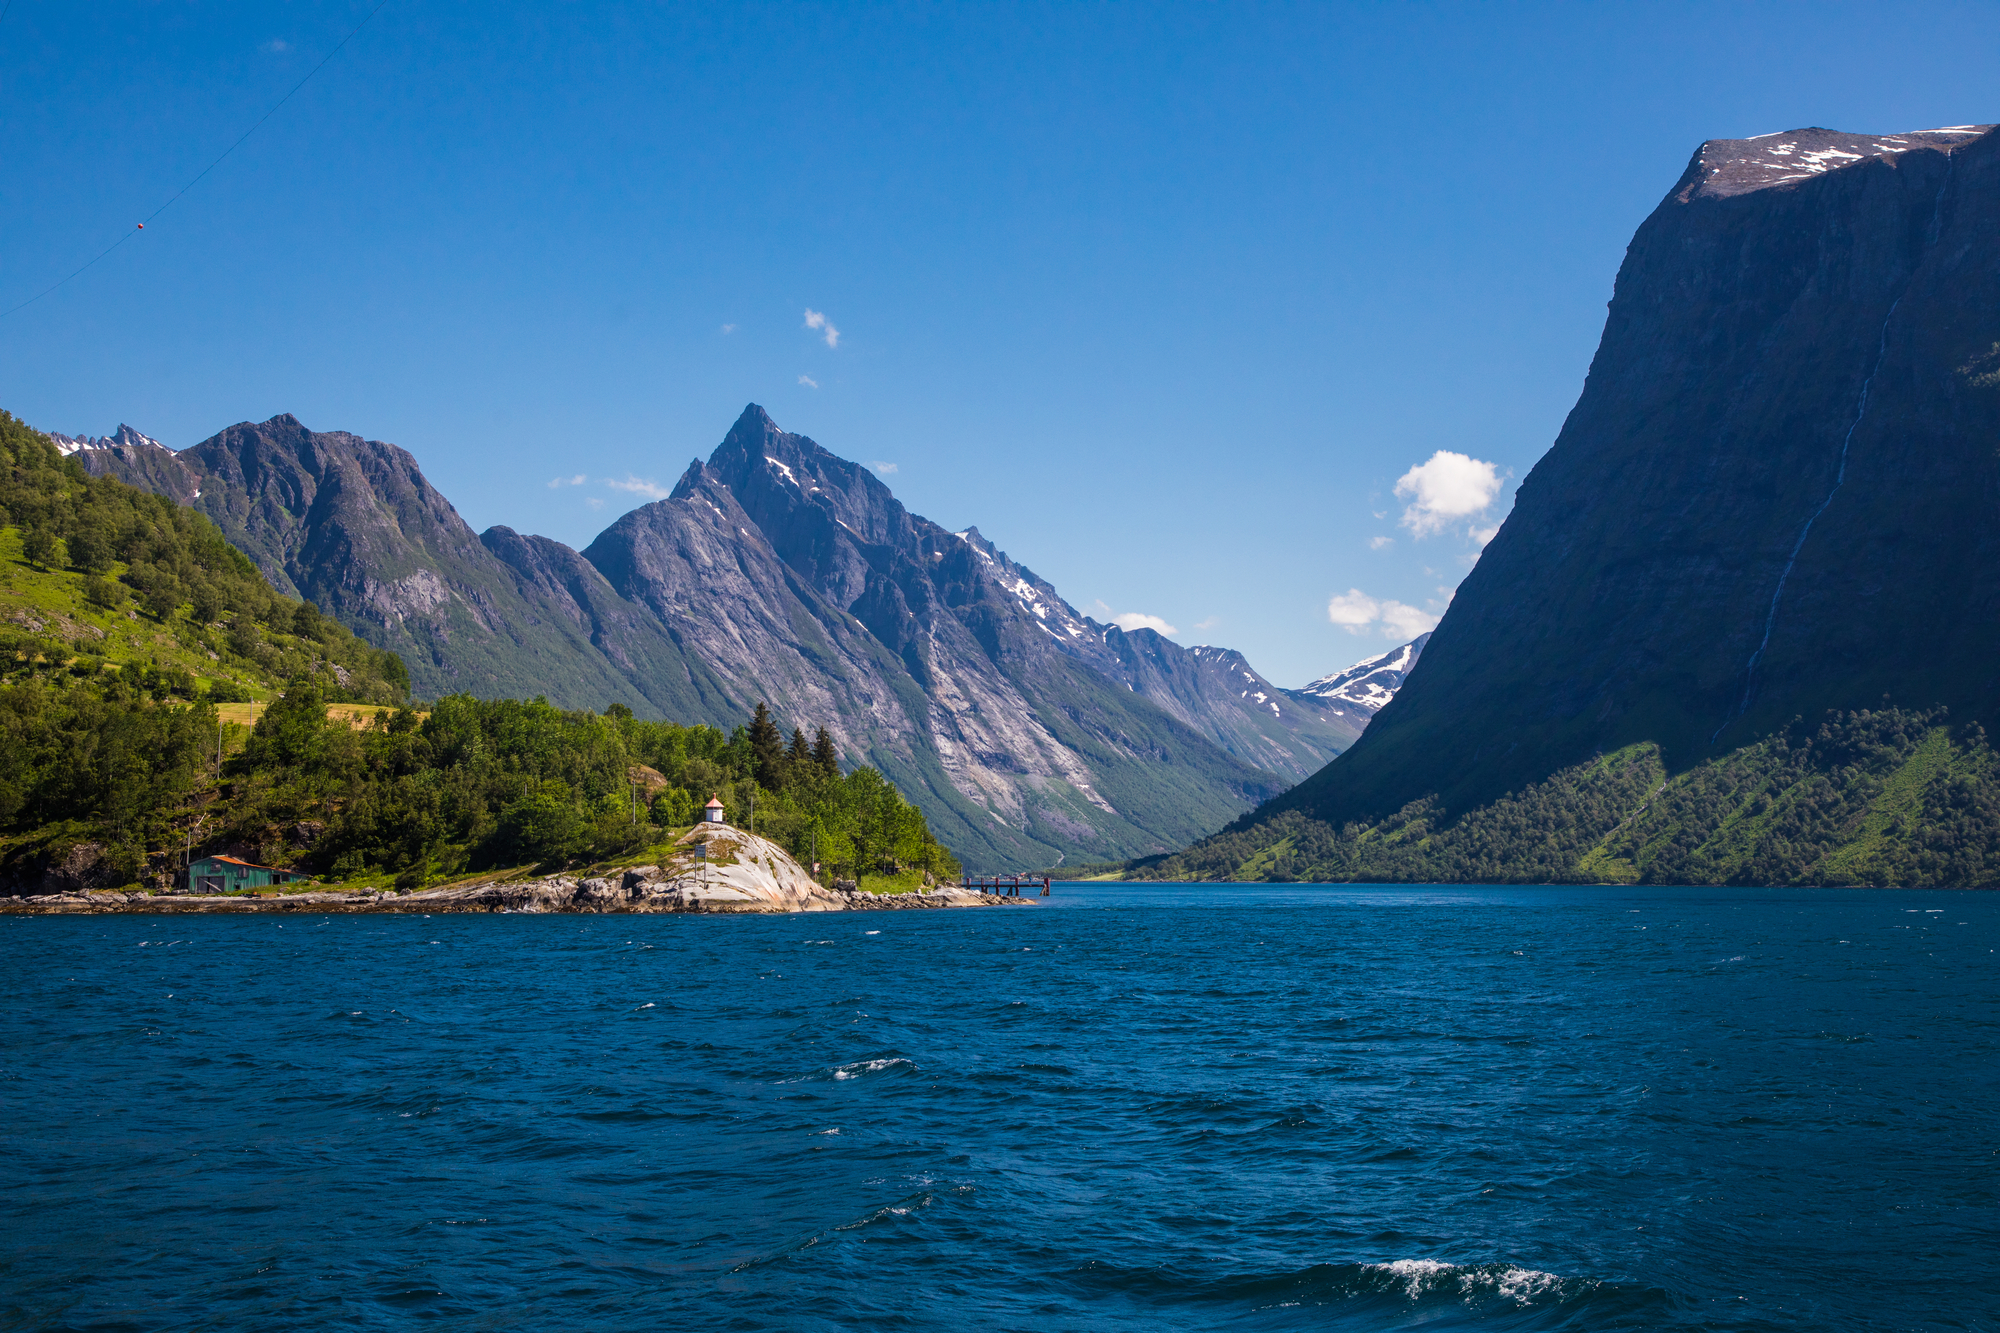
{"points": [[1882, 797]]}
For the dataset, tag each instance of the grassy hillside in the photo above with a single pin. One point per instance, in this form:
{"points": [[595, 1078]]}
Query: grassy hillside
{"points": [[1882, 797], [64, 621]]}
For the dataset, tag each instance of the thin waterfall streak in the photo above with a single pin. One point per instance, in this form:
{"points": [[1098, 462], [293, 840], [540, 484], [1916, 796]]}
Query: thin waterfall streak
{"points": [[1839, 479], [1840, 473]]}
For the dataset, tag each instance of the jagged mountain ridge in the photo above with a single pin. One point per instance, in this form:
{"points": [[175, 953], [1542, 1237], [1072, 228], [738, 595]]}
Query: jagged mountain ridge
{"points": [[1779, 474], [959, 672], [122, 438], [354, 526], [775, 571]]}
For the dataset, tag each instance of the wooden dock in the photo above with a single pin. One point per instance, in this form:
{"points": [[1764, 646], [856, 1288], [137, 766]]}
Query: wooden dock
{"points": [[1007, 886]]}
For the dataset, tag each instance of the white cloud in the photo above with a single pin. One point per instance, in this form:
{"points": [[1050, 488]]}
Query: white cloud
{"points": [[1380, 543], [728, 329], [1358, 613], [1132, 620], [555, 483], [1208, 624], [1353, 611], [593, 502], [1485, 535], [884, 468], [652, 490], [1446, 489], [1406, 622], [816, 320], [277, 46], [809, 381]]}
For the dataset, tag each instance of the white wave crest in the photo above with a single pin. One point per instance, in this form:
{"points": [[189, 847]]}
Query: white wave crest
{"points": [[1433, 1277], [860, 1067]]}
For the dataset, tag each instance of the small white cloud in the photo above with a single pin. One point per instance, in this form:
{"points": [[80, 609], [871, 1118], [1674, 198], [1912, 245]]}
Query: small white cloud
{"points": [[1406, 622], [558, 482], [1379, 513], [1354, 610], [1485, 535], [1358, 613], [593, 501], [809, 381], [1209, 623], [277, 46], [652, 490], [1447, 488], [884, 468], [1131, 620], [1380, 543], [728, 329], [816, 320]]}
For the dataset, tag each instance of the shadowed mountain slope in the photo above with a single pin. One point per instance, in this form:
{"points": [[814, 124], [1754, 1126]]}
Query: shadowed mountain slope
{"points": [[1780, 478]]}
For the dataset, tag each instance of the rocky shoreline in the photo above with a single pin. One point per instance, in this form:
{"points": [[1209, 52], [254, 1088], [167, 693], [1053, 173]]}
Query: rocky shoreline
{"points": [[737, 873], [555, 894]]}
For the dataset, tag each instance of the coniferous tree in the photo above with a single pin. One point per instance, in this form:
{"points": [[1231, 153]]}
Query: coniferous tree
{"points": [[798, 755], [825, 755], [767, 749]]}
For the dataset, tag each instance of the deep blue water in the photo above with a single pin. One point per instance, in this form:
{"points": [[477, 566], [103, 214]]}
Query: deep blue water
{"points": [[1128, 1107]]}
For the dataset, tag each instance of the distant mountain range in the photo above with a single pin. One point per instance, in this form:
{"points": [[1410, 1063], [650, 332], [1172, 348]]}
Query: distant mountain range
{"points": [[1689, 652], [776, 571]]}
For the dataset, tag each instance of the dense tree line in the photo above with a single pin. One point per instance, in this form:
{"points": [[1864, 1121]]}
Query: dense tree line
{"points": [[109, 766], [145, 554], [480, 783], [1887, 796]]}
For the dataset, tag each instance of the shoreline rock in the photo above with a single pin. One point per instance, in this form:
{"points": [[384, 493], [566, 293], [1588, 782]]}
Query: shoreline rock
{"points": [[739, 873]]}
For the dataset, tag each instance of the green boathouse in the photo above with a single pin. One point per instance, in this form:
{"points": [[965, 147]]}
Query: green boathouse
{"points": [[226, 874]]}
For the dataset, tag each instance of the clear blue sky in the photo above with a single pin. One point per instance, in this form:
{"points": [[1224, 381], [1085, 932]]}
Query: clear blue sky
{"points": [[1165, 299]]}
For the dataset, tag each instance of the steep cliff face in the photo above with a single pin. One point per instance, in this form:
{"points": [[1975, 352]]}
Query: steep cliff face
{"points": [[1780, 476]]}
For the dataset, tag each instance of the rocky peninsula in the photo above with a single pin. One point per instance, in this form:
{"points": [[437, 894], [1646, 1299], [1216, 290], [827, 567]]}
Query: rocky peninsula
{"points": [[712, 868]]}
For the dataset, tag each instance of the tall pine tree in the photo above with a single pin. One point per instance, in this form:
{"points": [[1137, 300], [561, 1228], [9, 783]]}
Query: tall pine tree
{"points": [[767, 750], [825, 755]]}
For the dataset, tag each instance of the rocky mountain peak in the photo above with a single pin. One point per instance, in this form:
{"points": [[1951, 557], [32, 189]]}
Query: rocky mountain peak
{"points": [[1725, 167], [124, 436]]}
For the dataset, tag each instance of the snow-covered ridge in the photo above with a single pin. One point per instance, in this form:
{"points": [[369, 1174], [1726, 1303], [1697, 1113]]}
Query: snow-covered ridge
{"points": [[1372, 682], [1726, 167], [70, 444]]}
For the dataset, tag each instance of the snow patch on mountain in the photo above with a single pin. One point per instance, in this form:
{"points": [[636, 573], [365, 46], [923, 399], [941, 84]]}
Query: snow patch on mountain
{"points": [[1725, 167], [1372, 682]]}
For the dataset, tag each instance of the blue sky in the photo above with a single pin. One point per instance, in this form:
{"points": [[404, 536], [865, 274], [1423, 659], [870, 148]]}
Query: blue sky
{"points": [[1165, 299]]}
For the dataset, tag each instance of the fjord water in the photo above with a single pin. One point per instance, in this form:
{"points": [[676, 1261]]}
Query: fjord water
{"points": [[1175, 1107]]}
